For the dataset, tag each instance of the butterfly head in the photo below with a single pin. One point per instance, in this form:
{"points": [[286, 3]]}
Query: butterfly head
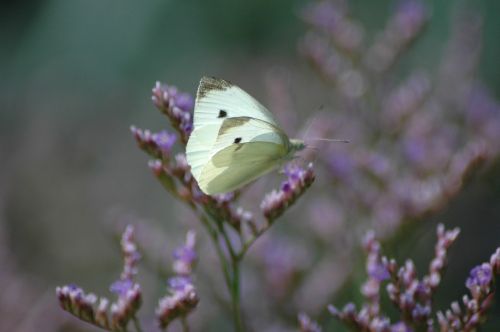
{"points": [[297, 145]]}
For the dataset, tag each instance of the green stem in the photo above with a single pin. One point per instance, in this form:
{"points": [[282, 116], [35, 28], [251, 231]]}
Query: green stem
{"points": [[223, 232], [235, 296], [215, 240], [185, 325], [137, 324], [246, 245], [233, 281]]}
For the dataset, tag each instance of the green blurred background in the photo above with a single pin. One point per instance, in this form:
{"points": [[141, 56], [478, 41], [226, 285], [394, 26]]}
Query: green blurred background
{"points": [[76, 74]]}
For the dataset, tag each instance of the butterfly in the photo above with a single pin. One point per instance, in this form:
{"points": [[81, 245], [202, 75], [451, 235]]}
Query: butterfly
{"points": [[235, 139]]}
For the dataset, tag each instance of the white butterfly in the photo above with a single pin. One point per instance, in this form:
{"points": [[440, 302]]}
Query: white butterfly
{"points": [[235, 139]]}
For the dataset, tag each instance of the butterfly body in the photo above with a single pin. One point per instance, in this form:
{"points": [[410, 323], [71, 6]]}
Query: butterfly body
{"points": [[235, 139]]}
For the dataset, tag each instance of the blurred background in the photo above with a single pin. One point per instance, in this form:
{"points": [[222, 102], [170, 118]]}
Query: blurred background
{"points": [[76, 74]]}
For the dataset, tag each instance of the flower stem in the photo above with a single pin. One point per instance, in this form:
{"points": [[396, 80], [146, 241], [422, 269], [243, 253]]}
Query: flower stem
{"points": [[185, 325], [235, 296], [232, 279], [137, 324]]}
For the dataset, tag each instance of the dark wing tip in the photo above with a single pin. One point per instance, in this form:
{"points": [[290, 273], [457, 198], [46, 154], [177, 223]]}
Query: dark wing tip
{"points": [[208, 84]]}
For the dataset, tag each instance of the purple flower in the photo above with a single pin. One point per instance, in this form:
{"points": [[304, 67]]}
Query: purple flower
{"points": [[293, 172], [187, 127], [298, 180], [184, 101], [164, 140], [479, 276], [224, 198], [410, 16], [286, 187], [177, 106], [121, 287], [415, 150], [401, 327], [421, 312], [179, 304], [185, 254], [378, 271], [324, 15], [307, 324], [130, 254], [179, 283]]}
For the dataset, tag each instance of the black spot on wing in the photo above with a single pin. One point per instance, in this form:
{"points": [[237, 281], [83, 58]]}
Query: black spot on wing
{"points": [[222, 114], [237, 140]]}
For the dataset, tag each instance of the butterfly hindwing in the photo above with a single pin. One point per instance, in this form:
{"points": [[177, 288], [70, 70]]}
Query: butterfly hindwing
{"points": [[245, 149], [239, 164]]}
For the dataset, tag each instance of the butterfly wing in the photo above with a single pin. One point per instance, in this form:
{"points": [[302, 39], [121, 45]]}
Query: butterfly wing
{"points": [[217, 101], [245, 149], [239, 164]]}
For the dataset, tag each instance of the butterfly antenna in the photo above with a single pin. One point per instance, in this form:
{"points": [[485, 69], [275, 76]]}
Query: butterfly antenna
{"points": [[331, 140]]}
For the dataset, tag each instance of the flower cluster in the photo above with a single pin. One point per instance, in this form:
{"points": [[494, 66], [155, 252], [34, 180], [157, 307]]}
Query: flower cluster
{"points": [[403, 27], [219, 214], [475, 306], [414, 142], [277, 201], [412, 296], [308, 325], [414, 139], [160, 144], [182, 298], [94, 310], [177, 106], [173, 172], [422, 137]]}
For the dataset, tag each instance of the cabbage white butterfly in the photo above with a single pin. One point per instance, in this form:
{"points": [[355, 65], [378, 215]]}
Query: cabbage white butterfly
{"points": [[235, 139]]}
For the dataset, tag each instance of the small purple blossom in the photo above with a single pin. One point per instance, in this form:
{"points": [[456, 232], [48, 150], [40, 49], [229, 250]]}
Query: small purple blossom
{"points": [[164, 140], [480, 276], [185, 102], [182, 297], [306, 324], [378, 271], [121, 287], [185, 256], [286, 187], [410, 17], [130, 253], [157, 144], [179, 283], [401, 327]]}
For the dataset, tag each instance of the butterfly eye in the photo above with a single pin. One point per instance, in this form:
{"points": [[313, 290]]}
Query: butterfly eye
{"points": [[237, 140], [222, 114]]}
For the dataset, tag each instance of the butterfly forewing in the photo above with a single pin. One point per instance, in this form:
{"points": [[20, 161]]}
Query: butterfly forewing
{"points": [[218, 100]]}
